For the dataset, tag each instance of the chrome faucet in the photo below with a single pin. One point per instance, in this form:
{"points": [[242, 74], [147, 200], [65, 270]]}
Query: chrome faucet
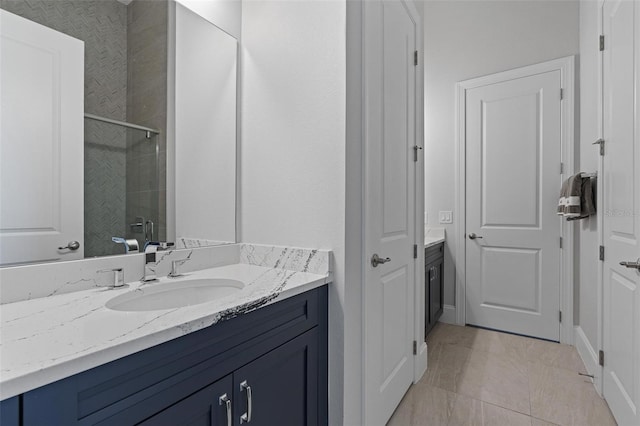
{"points": [[174, 267], [130, 245], [150, 262], [118, 276]]}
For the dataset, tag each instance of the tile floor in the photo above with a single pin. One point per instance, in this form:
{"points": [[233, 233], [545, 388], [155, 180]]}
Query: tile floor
{"points": [[481, 378]]}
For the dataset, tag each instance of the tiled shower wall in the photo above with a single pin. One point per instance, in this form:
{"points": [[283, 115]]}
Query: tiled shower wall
{"points": [[116, 186], [147, 105]]}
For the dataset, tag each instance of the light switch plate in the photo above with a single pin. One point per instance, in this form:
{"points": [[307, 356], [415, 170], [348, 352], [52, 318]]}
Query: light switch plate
{"points": [[446, 217], [426, 218]]}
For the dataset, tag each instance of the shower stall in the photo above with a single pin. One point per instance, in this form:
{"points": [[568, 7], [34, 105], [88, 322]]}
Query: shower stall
{"points": [[121, 185]]}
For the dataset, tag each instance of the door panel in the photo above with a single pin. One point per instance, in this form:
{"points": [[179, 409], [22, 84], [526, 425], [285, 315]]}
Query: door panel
{"points": [[621, 132], [395, 295], [41, 142], [510, 132], [389, 207], [520, 269], [513, 143]]}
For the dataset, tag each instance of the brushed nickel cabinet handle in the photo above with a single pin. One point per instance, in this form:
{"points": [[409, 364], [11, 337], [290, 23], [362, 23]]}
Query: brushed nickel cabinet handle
{"points": [[246, 417], [224, 399]]}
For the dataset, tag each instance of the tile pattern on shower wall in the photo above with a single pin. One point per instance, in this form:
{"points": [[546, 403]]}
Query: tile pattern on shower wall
{"points": [[101, 24], [104, 187], [147, 105]]}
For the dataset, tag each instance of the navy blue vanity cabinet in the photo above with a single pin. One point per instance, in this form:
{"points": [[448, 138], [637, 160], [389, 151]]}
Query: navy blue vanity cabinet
{"points": [[273, 360], [434, 282]]}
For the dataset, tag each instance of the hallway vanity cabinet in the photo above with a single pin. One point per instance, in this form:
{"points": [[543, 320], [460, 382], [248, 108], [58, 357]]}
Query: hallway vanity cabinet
{"points": [[265, 367], [434, 282]]}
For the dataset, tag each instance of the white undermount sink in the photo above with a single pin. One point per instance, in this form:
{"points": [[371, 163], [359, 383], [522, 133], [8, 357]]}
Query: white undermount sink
{"points": [[177, 294]]}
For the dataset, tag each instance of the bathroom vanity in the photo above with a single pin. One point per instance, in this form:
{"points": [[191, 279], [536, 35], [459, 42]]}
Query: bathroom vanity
{"points": [[268, 366], [256, 356]]}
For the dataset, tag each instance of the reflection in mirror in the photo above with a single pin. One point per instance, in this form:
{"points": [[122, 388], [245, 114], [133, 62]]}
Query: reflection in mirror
{"points": [[78, 176], [121, 186], [205, 131]]}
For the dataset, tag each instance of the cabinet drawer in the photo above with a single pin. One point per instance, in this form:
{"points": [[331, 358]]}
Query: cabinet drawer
{"points": [[204, 407], [434, 253]]}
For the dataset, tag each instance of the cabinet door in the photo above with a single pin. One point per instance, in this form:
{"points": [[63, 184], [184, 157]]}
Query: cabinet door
{"points": [[428, 269], [435, 291], [10, 412], [281, 387], [207, 407]]}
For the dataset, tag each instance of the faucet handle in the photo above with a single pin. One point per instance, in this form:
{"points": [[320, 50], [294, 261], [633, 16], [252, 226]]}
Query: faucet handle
{"points": [[118, 276], [174, 267]]}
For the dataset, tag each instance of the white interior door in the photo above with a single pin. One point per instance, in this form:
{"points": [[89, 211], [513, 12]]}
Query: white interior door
{"points": [[513, 140], [621, 296], [389, 206], [41, 142]]}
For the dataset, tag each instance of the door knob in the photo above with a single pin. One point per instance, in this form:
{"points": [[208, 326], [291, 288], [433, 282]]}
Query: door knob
{"points": [[632, 265], [72, 245], [376, 260], [473, 236]]}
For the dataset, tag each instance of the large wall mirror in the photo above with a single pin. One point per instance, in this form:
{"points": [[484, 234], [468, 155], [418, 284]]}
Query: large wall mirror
{"points": [[118, 127]]}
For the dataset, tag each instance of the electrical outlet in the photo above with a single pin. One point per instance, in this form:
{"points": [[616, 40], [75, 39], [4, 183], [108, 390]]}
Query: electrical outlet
{"points": [[446, 217]]}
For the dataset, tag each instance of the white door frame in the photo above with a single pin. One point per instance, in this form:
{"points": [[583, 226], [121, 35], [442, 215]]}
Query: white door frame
{"points": [[420, 359], [566, 67]]}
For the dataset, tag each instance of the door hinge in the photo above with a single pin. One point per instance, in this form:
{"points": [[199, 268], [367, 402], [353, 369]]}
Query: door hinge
{"points": [[415, 347], [561, 168], [601, 255], [560, 316], [561, 93], [415, 58], [415, 152], [601, 43], [601, 358], [601, 143], [560, 242], [415, 251]]}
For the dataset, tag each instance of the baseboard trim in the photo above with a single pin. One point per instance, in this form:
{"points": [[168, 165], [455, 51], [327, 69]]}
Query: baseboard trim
{"points": [[448, 314], [589, 357]]}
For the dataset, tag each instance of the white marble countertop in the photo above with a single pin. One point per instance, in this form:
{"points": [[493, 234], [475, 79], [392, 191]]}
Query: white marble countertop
{"points": [[433, 236], [47, 339]]}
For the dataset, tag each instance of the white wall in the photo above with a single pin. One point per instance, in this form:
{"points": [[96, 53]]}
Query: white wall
{"points": [[467, 39], [292, 149], [585, 313], [225, 14]]}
